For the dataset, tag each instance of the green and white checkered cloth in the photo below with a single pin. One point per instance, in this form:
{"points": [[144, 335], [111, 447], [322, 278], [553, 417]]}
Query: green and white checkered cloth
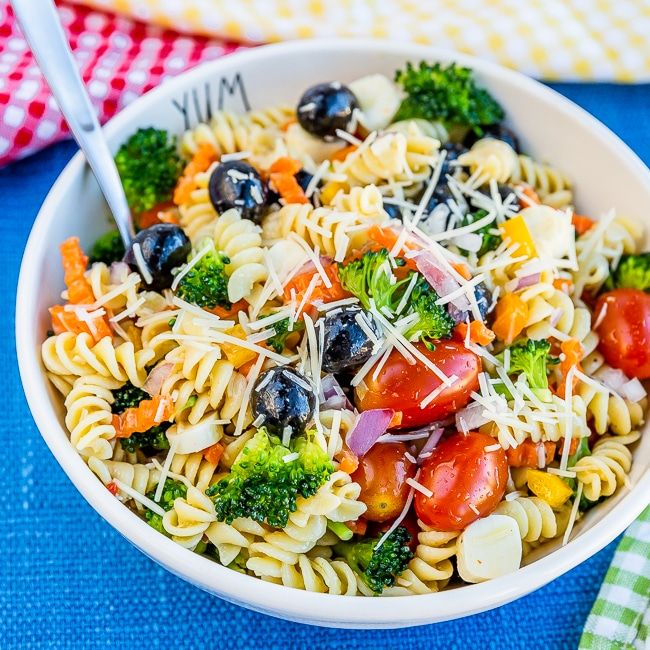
{"points": [[620, 617]]}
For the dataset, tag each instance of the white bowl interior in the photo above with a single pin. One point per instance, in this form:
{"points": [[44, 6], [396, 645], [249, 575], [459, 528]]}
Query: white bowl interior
{"points": [[606, 174]]}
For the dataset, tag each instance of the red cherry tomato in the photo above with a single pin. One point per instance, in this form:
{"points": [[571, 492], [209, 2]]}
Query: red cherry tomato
{"points": [[382, 475], [624, 330], [402, 386], [467, 482]]}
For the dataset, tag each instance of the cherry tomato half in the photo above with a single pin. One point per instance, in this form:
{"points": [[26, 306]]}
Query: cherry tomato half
{"points": [[467, 482], [624, 330], [382, 475], [402, 386]]}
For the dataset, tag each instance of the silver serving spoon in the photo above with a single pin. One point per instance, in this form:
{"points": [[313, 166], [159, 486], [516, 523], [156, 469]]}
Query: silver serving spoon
{"points": [[44, 33]]}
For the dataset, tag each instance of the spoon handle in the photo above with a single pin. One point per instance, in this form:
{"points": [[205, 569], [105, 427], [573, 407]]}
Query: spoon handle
{"points": [[40, 24]]}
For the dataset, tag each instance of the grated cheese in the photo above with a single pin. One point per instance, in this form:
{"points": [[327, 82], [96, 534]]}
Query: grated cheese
{"points": [[561, 472], [145, 501], [128, 312], [288, 458], [435, 392], [314, 258], [251, 378], [142, 265], [419, 487], [574, 514], [186, 268], [164, 472]]}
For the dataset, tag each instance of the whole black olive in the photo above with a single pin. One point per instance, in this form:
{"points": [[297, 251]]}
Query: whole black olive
{"points": [[454, 150], [441, 194], [496, 131], [483, 300], [285, 398], [326, 107], [164, 246], [236, 184], [346, 342], [393, 211]]}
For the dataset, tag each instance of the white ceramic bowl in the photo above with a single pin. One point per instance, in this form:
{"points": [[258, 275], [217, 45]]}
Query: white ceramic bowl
{"points": [[551, 127]]}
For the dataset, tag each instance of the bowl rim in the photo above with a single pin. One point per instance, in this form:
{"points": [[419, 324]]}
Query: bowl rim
{"points": [[297, 605]]}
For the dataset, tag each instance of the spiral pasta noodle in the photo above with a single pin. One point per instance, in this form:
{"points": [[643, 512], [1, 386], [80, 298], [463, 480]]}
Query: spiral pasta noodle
{"points": [[231, 539], [363, 201], [189, 518], [89, 418], [535, 518], [135, 475], [607, 467]]}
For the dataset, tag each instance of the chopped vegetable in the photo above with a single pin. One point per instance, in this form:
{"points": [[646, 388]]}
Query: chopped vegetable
{"points": [[581, 223], [282, 334], [516, 231], [236, 354], [343, 153], [340, 530], [348, 461], [632, 272], [479, 332], [330, 190], [572, 353], [447, 94], [511, 317], [206, 283], [526, 453], [149, 167], [490, 241], [378, 567], [549, 487], [204, 156], [172, 490], [214, 453], [264, 486], [108, 248], [147, 414], [532, 358], [283, 177], [128, 396], [151, 441], [300, 283]]}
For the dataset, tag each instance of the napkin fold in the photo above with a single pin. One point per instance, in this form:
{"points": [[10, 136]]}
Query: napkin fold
{"points": [[620, 617]]}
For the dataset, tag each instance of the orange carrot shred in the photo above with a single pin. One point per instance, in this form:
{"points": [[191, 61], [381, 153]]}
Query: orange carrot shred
{"points": [[511, 316], [479, 332], [143, 417], [462, 270], [572, 355], [582, 223], [214, 453], [282, 175], [563, 284], [348, 462], [529, 192], [204, 156], [342, 154], [526, 454]]}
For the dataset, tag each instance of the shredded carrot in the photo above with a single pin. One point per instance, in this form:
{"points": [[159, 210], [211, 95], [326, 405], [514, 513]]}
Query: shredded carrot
{"points": [[301, 282], [168, 216], [386, 238], [563, 284], [526, 454], [143, 417], [283, 177], [67, 321], [479, 332], [214, 453], [227, 314], [529, 192], [342, 154], [462, 270], [581, 223], [348, 462], [288, 123], [572, 353], [358, 527], [511, 316], [204, 156]]}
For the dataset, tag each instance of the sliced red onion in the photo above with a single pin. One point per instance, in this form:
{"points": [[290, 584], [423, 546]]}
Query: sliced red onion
{"points": [[157, 377], [440, 280], [556, 314], [333, 395], [431, 443], [370, 425], [528, 280], [612, 378], [472, 417], [336, 403], [632, 390], [118, 272]]}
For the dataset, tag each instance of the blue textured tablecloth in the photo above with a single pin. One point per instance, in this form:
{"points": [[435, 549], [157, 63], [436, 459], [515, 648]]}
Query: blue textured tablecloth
{"points": [[68, 580]]}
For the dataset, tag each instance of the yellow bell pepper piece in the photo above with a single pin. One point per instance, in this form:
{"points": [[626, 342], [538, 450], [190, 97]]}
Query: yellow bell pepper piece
{"points": [[517, 232], [236, 354], [330, 190], [549, 487]]}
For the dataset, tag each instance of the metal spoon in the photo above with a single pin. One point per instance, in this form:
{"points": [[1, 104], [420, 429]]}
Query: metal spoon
{"points": [[44, 33]]}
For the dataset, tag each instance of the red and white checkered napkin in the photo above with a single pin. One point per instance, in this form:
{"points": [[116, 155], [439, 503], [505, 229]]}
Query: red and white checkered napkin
{"points": [[120, 59]]}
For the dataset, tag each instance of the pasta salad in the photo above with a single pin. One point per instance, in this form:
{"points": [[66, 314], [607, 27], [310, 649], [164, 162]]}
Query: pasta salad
{"points": [[363, 345]]}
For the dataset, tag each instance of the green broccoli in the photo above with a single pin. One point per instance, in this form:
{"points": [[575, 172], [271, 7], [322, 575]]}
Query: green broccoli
{"points": [[173, 490], [447, 94], [151, 441], [277, 341], [206, 283], [532, 358], [632, 272], [263, 483], [369, 277], [149, 167], [580, 453], [239, 563], [434, 322], [378, 567], [490, 240], [108, 248], [128, 396]]}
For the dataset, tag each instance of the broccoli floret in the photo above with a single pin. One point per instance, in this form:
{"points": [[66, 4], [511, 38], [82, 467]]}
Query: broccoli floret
{"points": [[262, 486], [582, 451], [173, 490], [206, 284], [532, 358], [632, 272], [447, 94], [378, 567], [369, 277], [128, 396], [434, 322], [149, 167], [490, 240], [277, 341], [151, 441], [108, 248]]}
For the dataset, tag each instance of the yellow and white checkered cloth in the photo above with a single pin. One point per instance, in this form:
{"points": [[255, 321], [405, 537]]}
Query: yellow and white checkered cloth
{"points": [[552, 39]]}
